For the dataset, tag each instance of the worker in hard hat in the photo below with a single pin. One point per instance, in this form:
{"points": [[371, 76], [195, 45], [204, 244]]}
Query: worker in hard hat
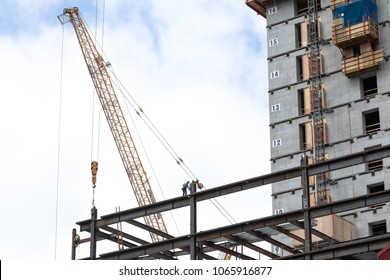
{"points": [[76, 240], [185, 187], [193, 186]]}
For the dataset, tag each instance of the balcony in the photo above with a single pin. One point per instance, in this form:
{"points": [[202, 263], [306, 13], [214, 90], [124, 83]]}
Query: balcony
{"points": [[363, 62], [258, 6], [347, 35]]}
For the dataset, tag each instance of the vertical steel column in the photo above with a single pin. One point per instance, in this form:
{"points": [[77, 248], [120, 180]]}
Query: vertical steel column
{"points": [[93, 233], [193, 246], [73, 254], [306, 206]]}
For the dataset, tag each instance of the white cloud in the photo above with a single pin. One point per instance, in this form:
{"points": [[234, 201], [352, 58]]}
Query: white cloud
{"points": [[196, 69]]}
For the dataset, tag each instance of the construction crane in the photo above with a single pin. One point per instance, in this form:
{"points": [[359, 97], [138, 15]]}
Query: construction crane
{"points": [[98, 69]]}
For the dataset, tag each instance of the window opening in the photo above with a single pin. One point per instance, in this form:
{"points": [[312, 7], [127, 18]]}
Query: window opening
{"points": [[375, 165], [356, 51], [301, 102], [372, 123], [376, 188], [378, 228], [302, 136], [305, 136], [302, 6], [299, 68], [370, 86], [304, 101], [298, 35]]}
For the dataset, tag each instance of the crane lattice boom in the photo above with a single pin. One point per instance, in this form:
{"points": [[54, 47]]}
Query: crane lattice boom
{"points": [[97, 68]]}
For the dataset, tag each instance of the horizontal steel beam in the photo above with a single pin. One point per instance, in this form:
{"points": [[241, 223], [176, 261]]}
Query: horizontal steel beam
{"points": [[288, 217], [172, 243], [297, 215], [346, 249], [350, 204], [149, 229], [125, 235], [181, 201], [147, 250], [316, 232], [272, 241], [350, 160], [251, 246], [288, 233], [227, 251]]}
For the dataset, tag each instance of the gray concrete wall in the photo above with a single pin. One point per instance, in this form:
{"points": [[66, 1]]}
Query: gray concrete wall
{"points": [[345, 122], [285, 9]]}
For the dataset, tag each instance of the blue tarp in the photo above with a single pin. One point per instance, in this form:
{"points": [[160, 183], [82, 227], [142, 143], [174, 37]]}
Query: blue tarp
{"points": [[355, 11]]}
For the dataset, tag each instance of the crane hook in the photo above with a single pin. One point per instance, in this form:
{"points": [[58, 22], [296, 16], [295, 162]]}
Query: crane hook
{"points": [[94, 169]]}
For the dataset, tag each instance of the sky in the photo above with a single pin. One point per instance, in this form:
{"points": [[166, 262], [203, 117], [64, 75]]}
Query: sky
{"points": [[199, 72]]}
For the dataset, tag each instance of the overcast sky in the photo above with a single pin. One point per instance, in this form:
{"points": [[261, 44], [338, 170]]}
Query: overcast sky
{"points": [[197, 68]]}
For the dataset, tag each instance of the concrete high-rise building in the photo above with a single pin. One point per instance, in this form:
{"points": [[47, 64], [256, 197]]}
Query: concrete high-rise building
{"points": [[329, 96]]}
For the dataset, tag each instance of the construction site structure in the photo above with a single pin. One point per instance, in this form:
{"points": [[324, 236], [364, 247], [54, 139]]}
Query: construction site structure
{"points": [[250, 235], [330, 150], [329, 97], [98, 70]]}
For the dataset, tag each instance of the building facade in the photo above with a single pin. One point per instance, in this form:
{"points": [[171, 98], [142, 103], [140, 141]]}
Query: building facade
{"points": [[329, 96]]}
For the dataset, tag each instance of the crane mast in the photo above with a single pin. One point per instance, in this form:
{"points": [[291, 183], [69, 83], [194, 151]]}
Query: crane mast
{"points": [[97, 68]]}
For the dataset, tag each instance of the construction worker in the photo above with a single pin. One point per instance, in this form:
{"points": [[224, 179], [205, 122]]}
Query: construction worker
{"points": [[185, 187], [76, 240], [192, 187]]}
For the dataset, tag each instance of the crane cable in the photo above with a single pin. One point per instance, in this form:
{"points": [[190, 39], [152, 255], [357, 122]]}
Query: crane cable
{"points": [[151, 165], [59, 144], [93, 102], [103, 21], [164, 142], [227, 216], [140, 112], [93, 90], [166, 145], [147, 156]]}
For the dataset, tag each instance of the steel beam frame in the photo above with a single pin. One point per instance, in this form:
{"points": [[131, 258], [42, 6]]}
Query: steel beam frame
{"points": [[179, 202], [300, 218], [289, 217], [358, 246]]}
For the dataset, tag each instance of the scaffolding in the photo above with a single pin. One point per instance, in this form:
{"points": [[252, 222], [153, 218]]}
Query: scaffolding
{"points": [[318, 122], [355, 32]]}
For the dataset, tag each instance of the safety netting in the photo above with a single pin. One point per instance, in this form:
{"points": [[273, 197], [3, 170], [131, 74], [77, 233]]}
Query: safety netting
{"points": [[356, 11]]}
